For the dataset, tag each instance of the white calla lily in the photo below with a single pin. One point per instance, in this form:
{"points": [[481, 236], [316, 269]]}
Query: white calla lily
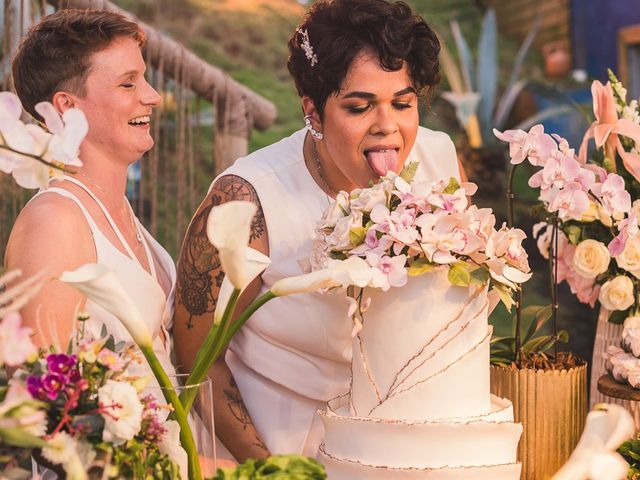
{"points": [[226, 290], [606, 428], [352, 271], [101, 286], [229, 230]]}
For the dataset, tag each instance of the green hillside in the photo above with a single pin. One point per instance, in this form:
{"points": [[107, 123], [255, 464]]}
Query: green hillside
{"points": [[248, 39]]}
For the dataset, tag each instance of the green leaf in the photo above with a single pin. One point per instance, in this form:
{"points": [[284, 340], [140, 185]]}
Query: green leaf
{"points": [[409, 171], [480, 276], [573, 233], [542, 316], [420, 267], [459, 274], [504, 293], [356, 235], [619, 316], [20, 438], [453, 186]]}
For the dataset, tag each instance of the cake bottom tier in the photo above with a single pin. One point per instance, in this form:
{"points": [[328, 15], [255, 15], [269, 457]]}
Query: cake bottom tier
{"points": [[482, 447], [348, 470]]}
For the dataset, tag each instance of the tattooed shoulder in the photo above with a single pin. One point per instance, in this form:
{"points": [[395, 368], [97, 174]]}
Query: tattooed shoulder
{"points": [[199, 273], [232, 187]]}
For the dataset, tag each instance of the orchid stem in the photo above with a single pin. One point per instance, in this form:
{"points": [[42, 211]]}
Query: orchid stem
{"points": [[39, 159], [170, 395], [518, 294]]}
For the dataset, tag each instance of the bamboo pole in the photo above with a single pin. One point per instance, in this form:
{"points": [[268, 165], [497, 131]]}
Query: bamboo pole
{"points": [[205, 78]]}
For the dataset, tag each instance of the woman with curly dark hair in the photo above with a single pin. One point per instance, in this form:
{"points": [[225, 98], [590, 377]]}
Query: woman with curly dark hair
{"points": [[361, 67]]}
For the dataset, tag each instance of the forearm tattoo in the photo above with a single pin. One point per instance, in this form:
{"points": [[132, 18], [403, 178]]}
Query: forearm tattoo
{"points": [[199, 272], [239, 411]]}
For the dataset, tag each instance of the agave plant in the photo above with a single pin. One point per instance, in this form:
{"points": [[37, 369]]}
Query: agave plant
{"points": [[474, 86]]}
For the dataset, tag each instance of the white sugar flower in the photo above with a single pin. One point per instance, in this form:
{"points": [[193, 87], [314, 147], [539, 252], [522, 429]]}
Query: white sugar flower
{"points": [[123, 421]]}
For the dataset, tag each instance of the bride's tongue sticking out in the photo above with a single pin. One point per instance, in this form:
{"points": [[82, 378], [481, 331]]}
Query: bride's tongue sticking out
{"points": [[381, 161]]}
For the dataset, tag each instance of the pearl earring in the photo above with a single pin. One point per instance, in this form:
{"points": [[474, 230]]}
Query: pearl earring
{"points": [[316, 134]]}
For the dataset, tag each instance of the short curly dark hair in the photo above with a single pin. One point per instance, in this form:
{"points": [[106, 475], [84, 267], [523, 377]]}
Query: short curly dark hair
{"points": [[55, 55], [338, 30]]}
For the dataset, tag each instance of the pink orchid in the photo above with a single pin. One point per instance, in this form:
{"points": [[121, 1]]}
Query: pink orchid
{"points": [[607, 128], [627, 227], [393, 268], [536, 146], [570, 202], [612, 194]]}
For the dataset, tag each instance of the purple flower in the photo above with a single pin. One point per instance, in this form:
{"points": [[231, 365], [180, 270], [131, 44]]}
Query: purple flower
{"points": [[60, 363], [46, 387], [34, 385]]}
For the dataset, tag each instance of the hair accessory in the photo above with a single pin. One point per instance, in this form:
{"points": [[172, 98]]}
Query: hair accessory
{"points": [[306, 46], [314, 133]]}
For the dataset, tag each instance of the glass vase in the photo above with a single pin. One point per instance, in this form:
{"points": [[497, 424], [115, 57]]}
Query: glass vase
{"points": [[200, 418]]}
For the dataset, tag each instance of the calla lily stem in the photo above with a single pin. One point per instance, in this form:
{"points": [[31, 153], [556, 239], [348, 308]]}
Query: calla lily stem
{"points": [[179, 412], [217, 339]]}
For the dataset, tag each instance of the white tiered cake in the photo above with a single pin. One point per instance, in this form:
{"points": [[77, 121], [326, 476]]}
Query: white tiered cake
{"points": [[419, 405]]}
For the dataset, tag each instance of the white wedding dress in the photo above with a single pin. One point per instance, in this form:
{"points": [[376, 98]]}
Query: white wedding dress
{"points": [[294, 354]]}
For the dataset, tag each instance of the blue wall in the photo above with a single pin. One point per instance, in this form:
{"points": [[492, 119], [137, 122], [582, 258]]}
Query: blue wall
{"points": [[595, 25]]}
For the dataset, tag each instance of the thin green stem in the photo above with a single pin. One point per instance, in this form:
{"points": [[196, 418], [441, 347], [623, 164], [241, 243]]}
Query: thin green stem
{"points": [[186, 437], [57, 166], [246, 314]]}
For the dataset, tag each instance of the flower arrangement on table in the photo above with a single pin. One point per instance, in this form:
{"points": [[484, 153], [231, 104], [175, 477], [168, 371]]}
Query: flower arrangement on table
{"points": [[403, 228], [591, 204], [81, 413], [76, 409]]}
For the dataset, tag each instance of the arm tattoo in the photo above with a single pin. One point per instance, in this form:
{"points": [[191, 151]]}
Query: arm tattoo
{"points": [[239, 411], [199, 273]]}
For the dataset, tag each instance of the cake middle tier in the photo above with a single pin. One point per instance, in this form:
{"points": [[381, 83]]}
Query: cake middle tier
{"points": [[423, 352]]}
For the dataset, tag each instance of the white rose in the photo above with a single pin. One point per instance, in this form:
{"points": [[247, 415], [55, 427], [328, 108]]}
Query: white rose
{"points": [[617, 294], [335, 211], [339, 238], [591, 258], [367, 198], [631, 335], [123, 421], [629, 259]]}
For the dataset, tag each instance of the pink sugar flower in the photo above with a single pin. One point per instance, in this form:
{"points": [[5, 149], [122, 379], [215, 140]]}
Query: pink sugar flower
{"points": [[392, 267], [608, 127], [571, 202]]}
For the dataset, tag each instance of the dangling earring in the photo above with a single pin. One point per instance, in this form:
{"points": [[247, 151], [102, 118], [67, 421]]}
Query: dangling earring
{"points": [[316, 134]]}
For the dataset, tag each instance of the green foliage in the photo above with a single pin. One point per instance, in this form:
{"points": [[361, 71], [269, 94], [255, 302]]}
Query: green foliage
{"points": [[630, 451], [534, 339], [277, 467]]}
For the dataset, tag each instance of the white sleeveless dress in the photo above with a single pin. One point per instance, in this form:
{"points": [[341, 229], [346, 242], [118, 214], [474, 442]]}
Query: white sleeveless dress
{"points": [[143, 287], [294, 354]]}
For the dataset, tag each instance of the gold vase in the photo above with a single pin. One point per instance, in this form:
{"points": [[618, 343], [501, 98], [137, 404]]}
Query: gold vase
{"points": [[552, 407]]}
